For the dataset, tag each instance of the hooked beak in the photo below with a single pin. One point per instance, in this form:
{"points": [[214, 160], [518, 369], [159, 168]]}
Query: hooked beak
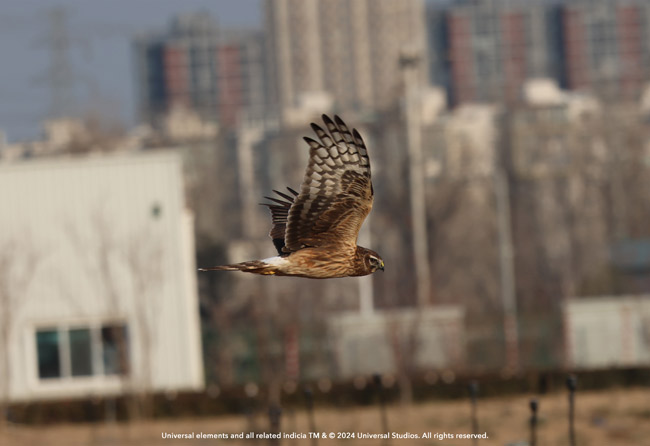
{"points": [[381, 266]]}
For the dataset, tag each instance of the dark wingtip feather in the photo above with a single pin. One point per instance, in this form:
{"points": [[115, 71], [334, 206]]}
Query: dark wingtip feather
{"points": [[285, 196], [327, 120], [357, 137], [276, 200], [312, 142], [279, 244], [317, 128]]}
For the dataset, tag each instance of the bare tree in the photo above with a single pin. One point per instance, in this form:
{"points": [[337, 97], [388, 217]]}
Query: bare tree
{"points": [[107, 256], [99, 133], [143, 257], [19, 261]]}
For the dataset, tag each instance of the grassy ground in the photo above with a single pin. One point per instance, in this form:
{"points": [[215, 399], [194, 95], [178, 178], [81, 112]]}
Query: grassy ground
{"points": [[605, 418]]}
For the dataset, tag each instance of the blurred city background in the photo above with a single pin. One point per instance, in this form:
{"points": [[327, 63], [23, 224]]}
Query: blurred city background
{"points": [[510, 148]]}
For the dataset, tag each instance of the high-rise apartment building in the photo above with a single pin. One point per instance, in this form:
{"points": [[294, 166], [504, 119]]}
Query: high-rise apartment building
{"points": [[485, 51], [349, 49], [241, 76], [197, 66], [607, 46]]}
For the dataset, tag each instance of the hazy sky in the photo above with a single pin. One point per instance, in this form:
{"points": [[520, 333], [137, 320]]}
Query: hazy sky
{"points": [[100, 33]]}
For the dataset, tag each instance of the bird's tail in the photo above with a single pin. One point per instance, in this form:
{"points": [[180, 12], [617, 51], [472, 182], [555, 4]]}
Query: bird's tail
{"points": [[254, 266]]}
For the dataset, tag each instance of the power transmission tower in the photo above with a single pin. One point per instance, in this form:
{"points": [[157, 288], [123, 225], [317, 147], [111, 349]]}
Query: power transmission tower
{"points": [[60, 72]]}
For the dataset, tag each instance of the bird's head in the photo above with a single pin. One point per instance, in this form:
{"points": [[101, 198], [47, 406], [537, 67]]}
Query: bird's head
{"points": [[371, 260]]}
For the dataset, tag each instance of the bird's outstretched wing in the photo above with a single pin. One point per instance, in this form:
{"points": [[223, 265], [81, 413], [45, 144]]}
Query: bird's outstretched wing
{"points": [[279, 215], [336, 193]]}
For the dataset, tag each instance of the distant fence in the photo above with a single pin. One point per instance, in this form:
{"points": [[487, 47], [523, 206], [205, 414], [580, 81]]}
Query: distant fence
{"points": [[339, 394]]}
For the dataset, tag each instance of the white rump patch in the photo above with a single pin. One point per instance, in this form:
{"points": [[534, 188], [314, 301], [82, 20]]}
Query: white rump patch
{"points": [[275, 261]]}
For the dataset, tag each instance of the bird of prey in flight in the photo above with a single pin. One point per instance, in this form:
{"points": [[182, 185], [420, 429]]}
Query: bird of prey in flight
{"points": [[315, 230]]}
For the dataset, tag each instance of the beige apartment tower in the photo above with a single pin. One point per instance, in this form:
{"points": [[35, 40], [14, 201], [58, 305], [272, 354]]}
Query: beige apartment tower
{"points": [[349, 49]]}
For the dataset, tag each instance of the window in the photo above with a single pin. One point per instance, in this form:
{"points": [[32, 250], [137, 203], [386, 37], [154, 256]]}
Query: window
{"points": [[64, 352], [80, 352], [47, 345], [114, 342]]}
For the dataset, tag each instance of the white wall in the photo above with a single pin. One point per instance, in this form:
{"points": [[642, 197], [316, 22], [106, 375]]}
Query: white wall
{"points": [[81, 245]]}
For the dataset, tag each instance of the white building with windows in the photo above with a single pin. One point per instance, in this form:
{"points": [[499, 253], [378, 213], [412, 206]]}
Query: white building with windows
{"points": [[98, 289]]}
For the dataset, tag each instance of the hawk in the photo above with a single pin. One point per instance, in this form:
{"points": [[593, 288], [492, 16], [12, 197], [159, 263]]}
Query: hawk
{"points": [[315, 230]]}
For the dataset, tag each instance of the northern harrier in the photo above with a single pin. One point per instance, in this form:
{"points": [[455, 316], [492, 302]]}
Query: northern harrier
{"points": [[315, 231]]}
